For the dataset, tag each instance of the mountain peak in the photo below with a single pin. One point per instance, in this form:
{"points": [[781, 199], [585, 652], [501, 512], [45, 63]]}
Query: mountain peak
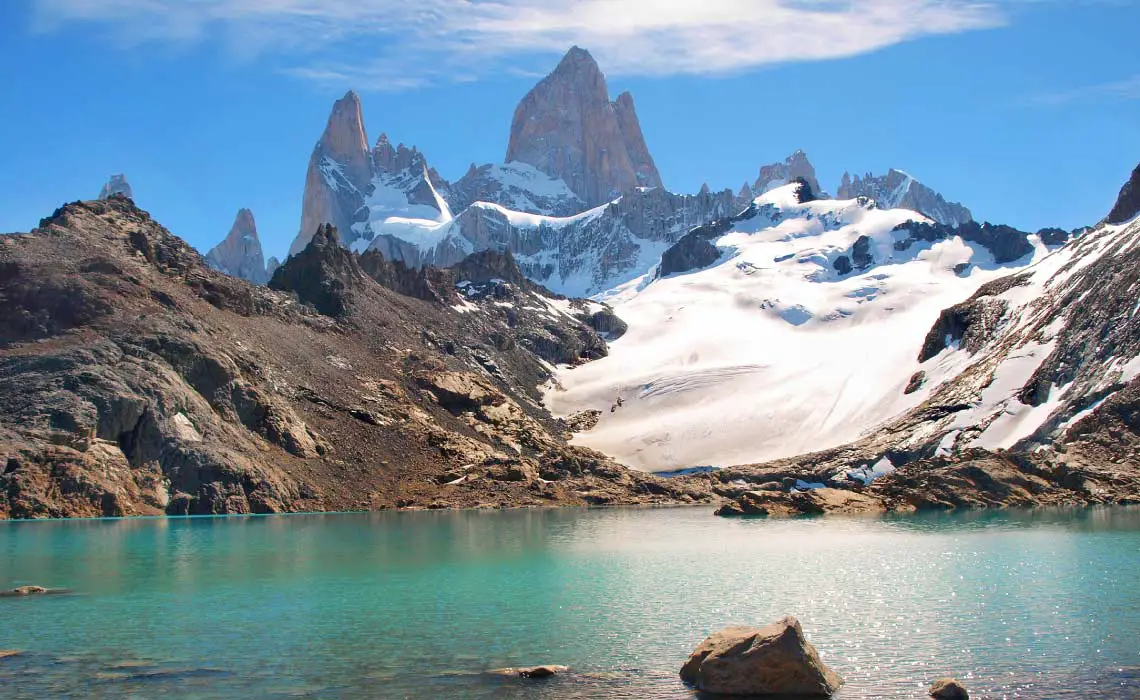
{"points": [[239, 254], [796, 166], [117, 184], [567, 127], [1128, 203], [900, 190]]}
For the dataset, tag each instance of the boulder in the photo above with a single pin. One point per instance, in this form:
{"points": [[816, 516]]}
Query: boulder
{"points": [[772, 660], [948, 689], [535, 672]]}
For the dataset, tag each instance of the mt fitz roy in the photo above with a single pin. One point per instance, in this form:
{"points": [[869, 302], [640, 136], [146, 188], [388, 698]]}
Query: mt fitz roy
{"points": [[556, 328]]}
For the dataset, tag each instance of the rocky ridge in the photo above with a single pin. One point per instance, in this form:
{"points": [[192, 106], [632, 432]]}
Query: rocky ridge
{"points": [[898, 190], [141, 381]]}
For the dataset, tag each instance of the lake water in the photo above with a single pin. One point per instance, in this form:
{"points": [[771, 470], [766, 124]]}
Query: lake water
{"points": [[419, 605]]}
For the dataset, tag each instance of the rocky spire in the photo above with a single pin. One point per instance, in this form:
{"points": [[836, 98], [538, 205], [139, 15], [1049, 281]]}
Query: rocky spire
{"points": [[239, 254], [567, 128], [643, 165], [794, 167], [339, 174], [116, 185], [1128, 203]]}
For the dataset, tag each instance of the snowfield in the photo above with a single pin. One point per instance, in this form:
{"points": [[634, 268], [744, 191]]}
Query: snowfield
{"points": [[770, 352]]}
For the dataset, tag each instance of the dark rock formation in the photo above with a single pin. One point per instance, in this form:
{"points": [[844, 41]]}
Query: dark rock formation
{"points": [[138, 380], [1006, 243], [772, 660], [1128, 202], [948, 689]]}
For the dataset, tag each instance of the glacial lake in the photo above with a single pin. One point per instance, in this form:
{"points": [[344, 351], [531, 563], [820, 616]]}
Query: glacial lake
{"points": [[1034, 604]]}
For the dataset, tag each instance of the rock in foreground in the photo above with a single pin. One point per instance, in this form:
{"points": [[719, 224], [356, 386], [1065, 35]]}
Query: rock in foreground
{"points": [[544, 671], [772, 660], [948, 689], [22, 591]]}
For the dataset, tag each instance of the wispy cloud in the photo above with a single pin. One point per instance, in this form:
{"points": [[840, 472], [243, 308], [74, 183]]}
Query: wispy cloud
{"points": [[411, 43], [1116, 91]]}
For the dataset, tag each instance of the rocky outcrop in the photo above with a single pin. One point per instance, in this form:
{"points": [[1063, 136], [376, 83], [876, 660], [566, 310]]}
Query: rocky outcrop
{"points": [[137, 380], [772, 660], [898, 190], [1128, 201], [948, 689], [239, 254], [567, 127], [116, 185], [1006, 243], [815, 501], [795, 167], [530, 672]]}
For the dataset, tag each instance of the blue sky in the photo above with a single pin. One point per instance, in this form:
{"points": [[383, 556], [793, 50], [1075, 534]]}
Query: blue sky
{"points": [[1027, 111]]}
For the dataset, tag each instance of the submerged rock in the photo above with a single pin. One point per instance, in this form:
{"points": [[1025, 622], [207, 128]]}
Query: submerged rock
{"points": [[949, 689], [22, 591], [5, 653], [817, 501], [772, 660], [544, 671]]}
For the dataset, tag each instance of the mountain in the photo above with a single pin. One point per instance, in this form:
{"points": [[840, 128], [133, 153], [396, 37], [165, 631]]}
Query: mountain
{"points": [[139, 380], [1128, 202], [794, 167], [239, 254], [1027, 392], [356, 188], [787, 328], [117, 184], [898, 190], [567, 127], [515, 186], [579, 255]]}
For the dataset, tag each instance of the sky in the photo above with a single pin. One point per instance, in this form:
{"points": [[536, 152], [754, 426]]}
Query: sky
{"points": [[1026, 111]]}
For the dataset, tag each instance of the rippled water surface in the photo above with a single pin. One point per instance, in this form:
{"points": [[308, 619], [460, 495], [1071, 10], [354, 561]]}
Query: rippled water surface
{"points": [[418, 605]]}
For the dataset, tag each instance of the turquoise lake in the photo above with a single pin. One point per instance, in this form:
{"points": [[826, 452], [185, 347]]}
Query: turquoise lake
{"points": [[1040, 604]]}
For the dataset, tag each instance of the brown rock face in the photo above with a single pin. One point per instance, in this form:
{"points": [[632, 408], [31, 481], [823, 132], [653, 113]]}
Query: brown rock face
{"points": [[772, 660], [948, 689], [1128, 203], [568, 128], [240, 254]]}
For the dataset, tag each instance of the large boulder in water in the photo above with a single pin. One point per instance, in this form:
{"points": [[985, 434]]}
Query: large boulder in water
{"points": [[772, 660], [948, 689]]}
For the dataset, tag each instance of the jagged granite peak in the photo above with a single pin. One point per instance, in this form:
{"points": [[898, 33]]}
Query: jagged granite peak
{"points": [[792, 168], [117, 184], [642, 161], [239, 254], [567, 127], [356, 188], [1128, 202], [898, 190]]}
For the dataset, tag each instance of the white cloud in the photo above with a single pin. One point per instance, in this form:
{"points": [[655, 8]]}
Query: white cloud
{"points": [[1116, 91], [413, 42]]}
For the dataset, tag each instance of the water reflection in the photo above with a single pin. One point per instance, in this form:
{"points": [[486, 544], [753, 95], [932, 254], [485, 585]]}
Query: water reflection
{"points": [[1023, 604]]}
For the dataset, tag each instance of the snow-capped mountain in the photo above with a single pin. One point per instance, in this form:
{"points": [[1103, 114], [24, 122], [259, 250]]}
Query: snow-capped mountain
{"points": [[117, 184], [515, 186], [793, 167], [567, 128], [358, 189], [239, 254], [798, 332], [898, 190]]}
